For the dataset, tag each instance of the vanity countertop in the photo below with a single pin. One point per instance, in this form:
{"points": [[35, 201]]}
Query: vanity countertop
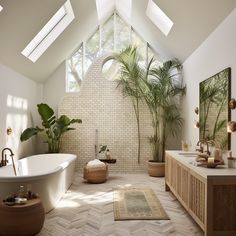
{"points": [[188, 159]]}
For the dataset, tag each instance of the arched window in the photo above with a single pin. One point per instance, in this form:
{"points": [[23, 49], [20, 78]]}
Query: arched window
{"points": [[112, 36]]}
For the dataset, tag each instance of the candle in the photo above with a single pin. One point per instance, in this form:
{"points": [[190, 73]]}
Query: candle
{"points": [[211, 160], [184, 146], [230, 154]]}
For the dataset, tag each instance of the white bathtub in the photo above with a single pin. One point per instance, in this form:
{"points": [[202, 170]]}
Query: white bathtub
{"points": [[49, 175]]}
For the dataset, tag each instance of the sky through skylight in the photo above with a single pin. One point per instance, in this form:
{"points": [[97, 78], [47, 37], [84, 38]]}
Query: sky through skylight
{"points": [[159, 18]]}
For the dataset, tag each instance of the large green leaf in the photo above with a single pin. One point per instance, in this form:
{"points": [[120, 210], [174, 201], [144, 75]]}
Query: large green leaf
{"points": [[28, 133], [62, 125], [47, 115], [64, 121], [72, 121]]}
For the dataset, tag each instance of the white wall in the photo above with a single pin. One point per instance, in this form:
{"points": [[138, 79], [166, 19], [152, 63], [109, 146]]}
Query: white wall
{"points": [[18, 98], [54, 87], [216, 53]]}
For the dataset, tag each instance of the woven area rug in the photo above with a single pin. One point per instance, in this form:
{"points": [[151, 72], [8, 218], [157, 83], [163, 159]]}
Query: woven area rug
{"points": [[137, 204]]}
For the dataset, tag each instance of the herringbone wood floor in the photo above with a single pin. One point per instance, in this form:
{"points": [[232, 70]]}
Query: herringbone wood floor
{"points": [[87, 210]]}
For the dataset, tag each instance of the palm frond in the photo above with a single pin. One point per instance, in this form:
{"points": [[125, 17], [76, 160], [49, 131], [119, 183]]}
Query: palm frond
{"points": [[131, 75], [161, 88]]}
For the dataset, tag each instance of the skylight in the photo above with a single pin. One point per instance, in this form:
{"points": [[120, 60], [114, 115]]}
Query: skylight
{"points": [[1, 8], [49, 33], [106, 7], [159, 18], [124, 8]]}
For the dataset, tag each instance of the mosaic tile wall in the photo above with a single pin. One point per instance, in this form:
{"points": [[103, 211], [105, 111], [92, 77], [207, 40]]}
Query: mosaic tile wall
{"points": [[101, 105]]}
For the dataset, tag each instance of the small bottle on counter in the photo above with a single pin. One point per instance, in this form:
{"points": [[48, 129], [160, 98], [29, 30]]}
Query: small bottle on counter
{"points": [[231, 160], [21, 192], [185, 146], [108, 155], [29, 192]]}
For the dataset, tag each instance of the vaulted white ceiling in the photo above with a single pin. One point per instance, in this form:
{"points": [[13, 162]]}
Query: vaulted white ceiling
{"points": [[21, 20]]}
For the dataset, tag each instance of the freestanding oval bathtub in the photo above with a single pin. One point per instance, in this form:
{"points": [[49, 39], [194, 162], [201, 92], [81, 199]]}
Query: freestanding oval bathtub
{"points": [[49, 175]]}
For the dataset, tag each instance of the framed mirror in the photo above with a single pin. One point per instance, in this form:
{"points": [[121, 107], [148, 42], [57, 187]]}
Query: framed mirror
{"points": [[214, 112]]}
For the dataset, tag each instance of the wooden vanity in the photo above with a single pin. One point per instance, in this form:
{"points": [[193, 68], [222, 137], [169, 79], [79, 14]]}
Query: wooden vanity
{"points": [[209, 195]]}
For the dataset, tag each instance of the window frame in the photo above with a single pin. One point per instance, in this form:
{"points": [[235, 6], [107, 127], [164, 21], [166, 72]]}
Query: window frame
{"points": [[99, 28]]}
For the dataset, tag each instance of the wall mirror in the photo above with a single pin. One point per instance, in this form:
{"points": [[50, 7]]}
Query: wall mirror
{"points": [[214, 112]]}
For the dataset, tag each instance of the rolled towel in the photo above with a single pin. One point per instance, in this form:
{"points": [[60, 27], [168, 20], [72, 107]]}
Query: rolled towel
{"points": [[96, 165]]}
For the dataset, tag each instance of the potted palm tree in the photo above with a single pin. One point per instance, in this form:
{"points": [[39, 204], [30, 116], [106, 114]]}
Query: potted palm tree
{"points": [[130, 75], [161, 89], [53, 128]]}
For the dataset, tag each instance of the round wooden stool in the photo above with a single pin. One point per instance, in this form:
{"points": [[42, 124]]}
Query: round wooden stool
{"points": [[22, 220]]}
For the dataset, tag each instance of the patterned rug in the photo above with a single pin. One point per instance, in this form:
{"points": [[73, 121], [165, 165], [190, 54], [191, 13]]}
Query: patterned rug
{"points": [[137, 204]]}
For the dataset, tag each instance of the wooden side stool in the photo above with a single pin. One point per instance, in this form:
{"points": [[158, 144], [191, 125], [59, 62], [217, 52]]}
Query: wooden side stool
{"points": [[21, 220]]}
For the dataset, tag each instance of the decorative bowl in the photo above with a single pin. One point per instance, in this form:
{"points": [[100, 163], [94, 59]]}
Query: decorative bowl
{"points": [[209, 164]]}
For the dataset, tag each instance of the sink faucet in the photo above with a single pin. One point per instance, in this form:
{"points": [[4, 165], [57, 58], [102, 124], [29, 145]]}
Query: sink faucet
{"points": [[201, 143], [4, 158], [207, 146]]}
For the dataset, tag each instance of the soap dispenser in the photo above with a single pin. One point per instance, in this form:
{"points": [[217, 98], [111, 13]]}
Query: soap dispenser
{"points": [[108, 155], [218, 155]]}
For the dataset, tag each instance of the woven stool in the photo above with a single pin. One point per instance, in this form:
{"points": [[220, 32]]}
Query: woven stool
{"points": [[96, 174]]}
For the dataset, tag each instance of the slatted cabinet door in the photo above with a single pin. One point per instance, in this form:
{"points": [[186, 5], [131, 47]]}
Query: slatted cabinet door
{"points": [[184, 185], [171, 173], [178, 179], [173, 176], [197, 198]]}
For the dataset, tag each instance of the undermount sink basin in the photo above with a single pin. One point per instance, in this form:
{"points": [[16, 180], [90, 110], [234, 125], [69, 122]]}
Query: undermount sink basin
{"points": [[188, 153]]}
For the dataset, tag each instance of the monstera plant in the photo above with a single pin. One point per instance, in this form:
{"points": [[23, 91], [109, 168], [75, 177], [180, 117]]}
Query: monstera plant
{"points": [[53, 128]]}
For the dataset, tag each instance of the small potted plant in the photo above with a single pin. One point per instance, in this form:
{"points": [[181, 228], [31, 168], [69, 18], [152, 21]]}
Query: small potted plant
{"points": [[108, 159]]}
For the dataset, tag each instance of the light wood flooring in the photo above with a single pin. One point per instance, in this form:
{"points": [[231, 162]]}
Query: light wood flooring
{"points": [[87, 210]]}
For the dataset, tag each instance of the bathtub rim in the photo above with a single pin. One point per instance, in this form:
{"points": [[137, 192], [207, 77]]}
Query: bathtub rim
{"points": [[60, 168]]}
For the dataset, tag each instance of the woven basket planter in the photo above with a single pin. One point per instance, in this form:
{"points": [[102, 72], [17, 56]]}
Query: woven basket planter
{"points": [[96, 175]]}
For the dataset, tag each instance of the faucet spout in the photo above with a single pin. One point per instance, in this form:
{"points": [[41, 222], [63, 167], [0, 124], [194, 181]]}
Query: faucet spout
{"points": [[4, 158], [208, 151], [200, 149]]}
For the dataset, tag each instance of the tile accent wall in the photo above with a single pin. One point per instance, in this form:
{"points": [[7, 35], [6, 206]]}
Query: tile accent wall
{"points": [[101, 105]]}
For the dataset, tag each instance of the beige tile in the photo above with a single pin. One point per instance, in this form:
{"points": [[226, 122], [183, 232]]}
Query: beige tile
{"points": [[87, 209]]}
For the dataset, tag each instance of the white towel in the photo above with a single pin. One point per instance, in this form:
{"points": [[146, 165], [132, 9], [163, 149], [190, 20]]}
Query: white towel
{"points": [[96, 164]]}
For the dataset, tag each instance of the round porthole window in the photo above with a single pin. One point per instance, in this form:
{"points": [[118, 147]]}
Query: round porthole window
{"points": [[110, 69]]}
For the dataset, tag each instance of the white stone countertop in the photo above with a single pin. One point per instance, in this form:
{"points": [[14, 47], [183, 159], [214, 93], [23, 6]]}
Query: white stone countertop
{"points": [[188, 159]]}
